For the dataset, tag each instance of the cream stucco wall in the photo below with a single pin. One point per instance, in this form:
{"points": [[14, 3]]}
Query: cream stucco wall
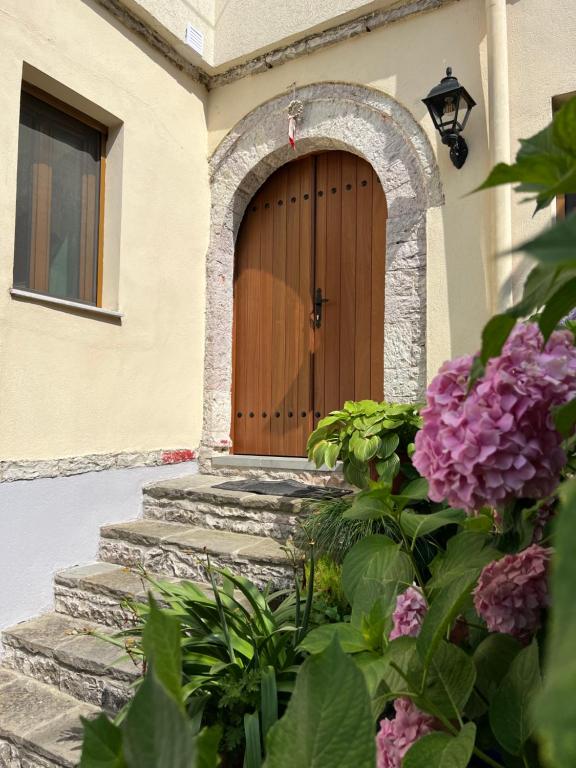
{"points": [[404, 60], [542, 41], [73, 384]]}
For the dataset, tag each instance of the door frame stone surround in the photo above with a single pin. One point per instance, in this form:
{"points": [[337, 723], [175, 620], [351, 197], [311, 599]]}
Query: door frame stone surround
{"points": [[356, 119]]}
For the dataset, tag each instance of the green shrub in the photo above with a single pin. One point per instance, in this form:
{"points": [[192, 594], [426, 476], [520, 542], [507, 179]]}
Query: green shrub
{"points": [[373, 441]]}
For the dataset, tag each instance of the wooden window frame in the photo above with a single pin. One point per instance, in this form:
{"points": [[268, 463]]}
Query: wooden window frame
{"points": [[102, 129]]}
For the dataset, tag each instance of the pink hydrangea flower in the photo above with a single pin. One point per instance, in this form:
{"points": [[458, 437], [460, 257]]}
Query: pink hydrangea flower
{"points": [[409, 613], [512, 592], [396, 735], [498, 442]]}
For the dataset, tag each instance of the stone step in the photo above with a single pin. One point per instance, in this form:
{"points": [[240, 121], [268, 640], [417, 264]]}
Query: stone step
{"points": [[194, 500], [55, 649], [39, 726], [98, 593], [181, 551]]}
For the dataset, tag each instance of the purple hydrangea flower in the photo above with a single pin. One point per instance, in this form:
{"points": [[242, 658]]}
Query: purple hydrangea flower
{"points": [[409, 613], [499, 441], [396, 735], [512, 592]]}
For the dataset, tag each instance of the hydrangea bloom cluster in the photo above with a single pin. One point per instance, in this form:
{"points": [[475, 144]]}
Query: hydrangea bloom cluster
{"points": [[498, 442], [512, 592], [396, 735], [409, 613]]}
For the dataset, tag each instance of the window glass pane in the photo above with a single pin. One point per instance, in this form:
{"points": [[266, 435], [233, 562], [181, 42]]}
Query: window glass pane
{"points": [[57, 203]]}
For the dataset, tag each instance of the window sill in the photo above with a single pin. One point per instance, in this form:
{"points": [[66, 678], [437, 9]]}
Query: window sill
{"points": [[76, 306]]}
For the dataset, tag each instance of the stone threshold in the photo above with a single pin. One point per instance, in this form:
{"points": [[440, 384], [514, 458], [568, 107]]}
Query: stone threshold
{"points": [[288, 463]]}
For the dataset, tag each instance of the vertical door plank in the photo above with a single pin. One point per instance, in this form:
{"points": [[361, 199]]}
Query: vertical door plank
{"points": [[293, 330], [320, 281], [347, 278], [278, 427], [331, 313], [379, 215], [363, 272], [306, 332], [241, 299], [253, 326], [266, 341]]}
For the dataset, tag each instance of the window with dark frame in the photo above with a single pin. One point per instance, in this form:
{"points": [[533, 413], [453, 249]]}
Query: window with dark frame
{"points": [[59, 207]]}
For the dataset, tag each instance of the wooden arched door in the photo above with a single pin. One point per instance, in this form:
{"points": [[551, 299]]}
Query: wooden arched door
{"points": [[308, 301]]}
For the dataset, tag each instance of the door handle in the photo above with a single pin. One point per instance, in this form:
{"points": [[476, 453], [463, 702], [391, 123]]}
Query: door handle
{"points": [[318, 302]]}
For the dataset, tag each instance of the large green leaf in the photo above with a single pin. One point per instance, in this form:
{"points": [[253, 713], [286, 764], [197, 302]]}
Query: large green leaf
{"points": [[156, 729], [102, 745], [253, 755], [364, 448], [511, 718], [556, 246], [556, 706], [370, 505], [350, 638], [492, 659], [328, 721], [465, 556], [441, 750], [557, 307], [416, 526], [207, 744], [450, 680], [373, 553], [161, 641], [444, 609], [565, 418]]}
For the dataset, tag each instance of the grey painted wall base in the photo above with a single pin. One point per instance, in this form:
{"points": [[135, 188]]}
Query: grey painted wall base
{"points": [[50, 524]]}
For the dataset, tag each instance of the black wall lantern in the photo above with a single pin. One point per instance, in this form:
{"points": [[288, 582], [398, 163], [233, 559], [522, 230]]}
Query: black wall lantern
{"points": [[450, 105]]}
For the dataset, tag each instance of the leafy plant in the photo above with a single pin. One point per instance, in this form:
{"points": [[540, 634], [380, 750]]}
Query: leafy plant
{"points": [[239, 652], [156, 730], [373, 441]]}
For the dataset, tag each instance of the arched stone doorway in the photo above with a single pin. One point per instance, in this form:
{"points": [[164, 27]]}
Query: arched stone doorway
{"points": [[340, 116]]}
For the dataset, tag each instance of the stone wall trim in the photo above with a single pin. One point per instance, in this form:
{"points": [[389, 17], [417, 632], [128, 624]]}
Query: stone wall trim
{"points": [[34, 469]]}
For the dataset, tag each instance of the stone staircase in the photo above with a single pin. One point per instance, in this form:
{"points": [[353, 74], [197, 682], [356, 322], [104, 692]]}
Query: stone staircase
{"points": [[52, 672]]}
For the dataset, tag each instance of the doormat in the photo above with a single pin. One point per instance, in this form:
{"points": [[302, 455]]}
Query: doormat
{"points": [[291, 488]]}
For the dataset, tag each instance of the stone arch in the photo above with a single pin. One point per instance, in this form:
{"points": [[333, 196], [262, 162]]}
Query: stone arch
{"points": [[367, 123]]}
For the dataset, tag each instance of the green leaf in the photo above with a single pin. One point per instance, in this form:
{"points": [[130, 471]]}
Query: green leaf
{"points": [[450, 680], [555, 711], [565, 418], [350, 638], [156, 729], [364, 448], [377, 549], [492, 659], [564, 127], [253, 754], [388, 468], [328, 721], [556, 245], [269, 699], [161, 642], [510, 711], [370, 505], [102, 744], [495, 333], [557, 307], [208, 743], [445, 607], [331, 455], [416, 526], [466, 554], [388, 443], [417, 490], [319, 453], [441, 750]]}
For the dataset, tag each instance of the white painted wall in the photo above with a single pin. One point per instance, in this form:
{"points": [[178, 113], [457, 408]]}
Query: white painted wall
{"points": [[51, 524]]}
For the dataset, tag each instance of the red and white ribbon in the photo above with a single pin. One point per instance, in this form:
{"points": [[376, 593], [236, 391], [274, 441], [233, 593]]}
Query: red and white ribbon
{"points": [[292, 131]]}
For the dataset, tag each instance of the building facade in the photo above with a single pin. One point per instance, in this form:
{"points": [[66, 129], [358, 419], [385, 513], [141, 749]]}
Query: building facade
{"points": [[138, 329]]}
